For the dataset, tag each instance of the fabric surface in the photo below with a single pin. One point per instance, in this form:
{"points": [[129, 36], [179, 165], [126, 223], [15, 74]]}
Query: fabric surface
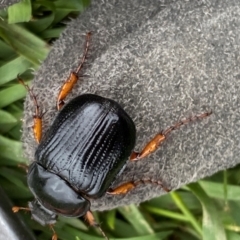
{"points": [[163, 62]]}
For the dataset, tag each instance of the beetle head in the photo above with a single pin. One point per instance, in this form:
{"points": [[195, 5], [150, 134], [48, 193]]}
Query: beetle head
{"points": [[41, 214]]}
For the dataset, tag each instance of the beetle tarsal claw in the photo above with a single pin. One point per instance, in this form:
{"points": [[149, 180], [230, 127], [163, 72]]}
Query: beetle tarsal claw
{"points": [[60, 104], [134, 156]]}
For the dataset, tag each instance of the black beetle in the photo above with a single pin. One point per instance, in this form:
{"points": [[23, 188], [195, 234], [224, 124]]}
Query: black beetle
{"points": [[87, 145]]}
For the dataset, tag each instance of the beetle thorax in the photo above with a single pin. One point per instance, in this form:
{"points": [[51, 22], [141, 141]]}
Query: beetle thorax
{"points": [[54, 195]]}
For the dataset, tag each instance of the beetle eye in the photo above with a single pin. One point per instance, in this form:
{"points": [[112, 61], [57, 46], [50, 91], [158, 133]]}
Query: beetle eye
{"points": [[54, 193]]}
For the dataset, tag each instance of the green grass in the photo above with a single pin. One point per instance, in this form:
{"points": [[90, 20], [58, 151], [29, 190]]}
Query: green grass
{"points": [[205, 210]]}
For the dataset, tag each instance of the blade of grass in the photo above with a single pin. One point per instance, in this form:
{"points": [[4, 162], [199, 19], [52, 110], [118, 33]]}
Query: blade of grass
{"points": [[14, 191], [41, 24], [216, 190], [28, 45], [6, 52], [166, 202], [166, 213], [225, 189], [11, 149], [156, 236], [74, 222], [178, 201], [123, 229], [233, 236], [51, 33], [69, 6], [133, 215], [15, 132], [7, 121], [212, 225], [67, 233], [10, 70], [11, 94], [12, 176], [20, 12], [16, 111], [111, 217], [63, 8]]}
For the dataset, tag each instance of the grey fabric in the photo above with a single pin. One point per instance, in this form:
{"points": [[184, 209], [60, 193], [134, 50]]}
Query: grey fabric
{"points": [[6, 3], [163, 62]]}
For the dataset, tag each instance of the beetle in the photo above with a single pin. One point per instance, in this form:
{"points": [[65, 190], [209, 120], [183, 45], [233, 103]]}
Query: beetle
{"points": [[84, 150]]}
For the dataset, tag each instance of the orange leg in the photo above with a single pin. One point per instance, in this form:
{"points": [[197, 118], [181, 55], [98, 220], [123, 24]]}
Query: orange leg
{"points": [[54, 236], [37, 117], [23, 166], [73, 77], [92, 222], [16, 209], [128, 186], [154, 143]]}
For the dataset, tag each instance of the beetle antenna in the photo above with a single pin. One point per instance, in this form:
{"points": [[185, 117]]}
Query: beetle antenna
{"points": [[92, 222], [186, 121]]}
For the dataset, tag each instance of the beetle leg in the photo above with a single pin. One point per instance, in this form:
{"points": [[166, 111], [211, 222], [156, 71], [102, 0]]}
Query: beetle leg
{"points": [[92, 222], [54, 236], [128, 186], [37, 117], [155, 142], [23, 166], [16, 209], [73, 77]]}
